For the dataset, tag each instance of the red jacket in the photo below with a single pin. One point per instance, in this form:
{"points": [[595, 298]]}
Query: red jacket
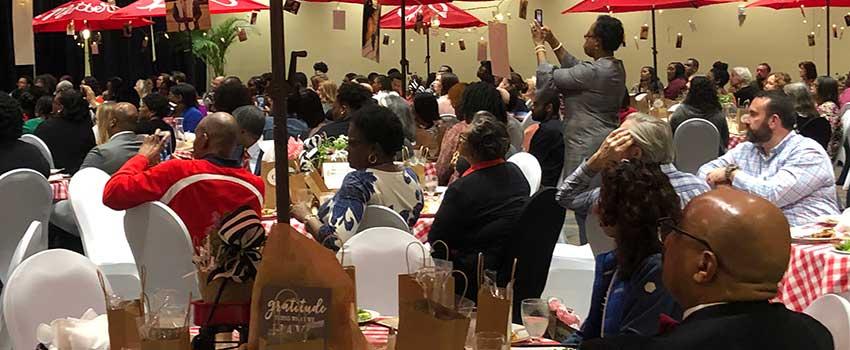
{"points": [[200, 191]]}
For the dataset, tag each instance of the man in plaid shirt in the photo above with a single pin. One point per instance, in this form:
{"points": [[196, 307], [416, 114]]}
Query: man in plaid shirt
{"points": [[791, 171]]}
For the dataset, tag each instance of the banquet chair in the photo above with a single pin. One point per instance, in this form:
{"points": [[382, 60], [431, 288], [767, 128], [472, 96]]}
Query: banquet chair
{"points": [[833, 312], [696, 142], [52, 284], [27, 247], [597, 239], [25, 196], [379, 257], [102, 232], [530, 167], [532, 245], [380, 216], [161, 244], [42, 147], [528, 121]]}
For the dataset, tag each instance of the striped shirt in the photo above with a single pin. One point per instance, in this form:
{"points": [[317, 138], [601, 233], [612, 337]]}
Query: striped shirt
{"points": [[575, 192], [796, 176]]}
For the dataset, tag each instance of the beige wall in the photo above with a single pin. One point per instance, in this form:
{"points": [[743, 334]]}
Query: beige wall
{"points": [[778, 37]]}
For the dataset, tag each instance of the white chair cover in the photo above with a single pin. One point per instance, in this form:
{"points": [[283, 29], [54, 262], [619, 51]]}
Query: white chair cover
{"points": [[160, 242], [102, 232], [42, 147], [571, 277], [833, 312], [597, 239], [25, 196], [380, 216], [528, 121], [52, 284], [696, 142], [379, 256], [29, 245], [530, 168]]}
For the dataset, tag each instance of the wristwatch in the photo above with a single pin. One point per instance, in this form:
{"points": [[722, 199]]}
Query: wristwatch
{"points": [[729, 170]]}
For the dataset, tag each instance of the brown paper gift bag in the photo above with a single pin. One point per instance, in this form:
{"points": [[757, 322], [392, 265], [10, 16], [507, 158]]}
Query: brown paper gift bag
{"points": [[289, 258], [123, 332], [420, 329], [172, 344], [494, 311], [267, 173]]}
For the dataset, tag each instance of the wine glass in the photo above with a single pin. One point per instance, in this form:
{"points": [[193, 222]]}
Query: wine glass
{"points": [[535, 317]]}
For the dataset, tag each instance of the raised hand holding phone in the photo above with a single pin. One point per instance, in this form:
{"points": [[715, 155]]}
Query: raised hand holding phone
{"points": [[153, 145]]}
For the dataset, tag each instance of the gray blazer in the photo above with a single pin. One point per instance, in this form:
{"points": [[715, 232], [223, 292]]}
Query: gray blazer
{"points": [[110, 156], [592, 93]]}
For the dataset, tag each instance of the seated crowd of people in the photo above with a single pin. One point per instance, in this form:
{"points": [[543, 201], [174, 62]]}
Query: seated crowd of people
{"points": [[671, 229]]}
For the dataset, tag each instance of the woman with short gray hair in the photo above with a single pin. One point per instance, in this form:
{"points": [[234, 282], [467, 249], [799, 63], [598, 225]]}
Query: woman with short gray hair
{"points": [[809, 122], [743, 86]]}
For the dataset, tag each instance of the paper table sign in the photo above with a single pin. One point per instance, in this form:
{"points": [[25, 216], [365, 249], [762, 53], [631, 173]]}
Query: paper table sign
{"points": [[334, 173], [294, 317]]}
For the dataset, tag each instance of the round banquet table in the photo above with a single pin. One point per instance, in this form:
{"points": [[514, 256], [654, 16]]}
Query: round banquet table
{"points": [[813, 271]]}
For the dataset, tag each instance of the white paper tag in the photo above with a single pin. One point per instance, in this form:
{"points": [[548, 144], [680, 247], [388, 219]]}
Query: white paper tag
{"points": [[334, 173]]}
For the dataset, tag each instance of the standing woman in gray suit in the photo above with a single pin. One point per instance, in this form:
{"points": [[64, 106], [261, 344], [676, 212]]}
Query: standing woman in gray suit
{"points": [[592, 91]]}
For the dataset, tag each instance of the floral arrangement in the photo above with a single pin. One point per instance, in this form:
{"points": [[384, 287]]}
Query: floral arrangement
{"points": [[319, 149]]}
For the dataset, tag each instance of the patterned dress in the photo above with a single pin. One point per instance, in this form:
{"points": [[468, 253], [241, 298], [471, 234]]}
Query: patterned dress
{"points": [[829, 110], [399, 191]]}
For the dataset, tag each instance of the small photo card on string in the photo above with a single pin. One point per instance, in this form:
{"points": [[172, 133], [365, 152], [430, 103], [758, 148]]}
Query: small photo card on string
{"points": [[95, 49], [482, 51], [292, 6], [637, 45], [811, 38], [386, 40], [128, 30], [692, 24], [644, 32], [442, 46], [678, 40], [847, 19], [835, 31], [461, 44], [339, 20], [803, 10], [242, 34], [523, 9], [254, 17], [742, 15], [69, 30]]}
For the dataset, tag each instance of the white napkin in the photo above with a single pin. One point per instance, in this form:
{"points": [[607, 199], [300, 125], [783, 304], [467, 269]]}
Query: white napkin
{"points": [[89, 332]]}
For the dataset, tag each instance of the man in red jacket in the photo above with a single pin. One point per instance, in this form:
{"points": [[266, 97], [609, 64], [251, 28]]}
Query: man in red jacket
{"points": [[202, 190]]}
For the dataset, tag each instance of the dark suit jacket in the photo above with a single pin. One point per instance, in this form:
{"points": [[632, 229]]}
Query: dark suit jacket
{"points": [[547, 145], [68, 141], [478, 214], [21, 155], [733, 326], [110, 156]]}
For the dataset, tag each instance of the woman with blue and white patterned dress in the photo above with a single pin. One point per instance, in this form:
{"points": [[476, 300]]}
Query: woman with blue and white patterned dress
{"points": [[374, 137]]}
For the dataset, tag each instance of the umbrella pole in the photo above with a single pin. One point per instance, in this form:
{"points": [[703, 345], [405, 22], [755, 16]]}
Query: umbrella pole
{"points": [[655, 43], [280, 88], [86, 60], [428, 51], [153, 44], [403, 62], [828, 29]]}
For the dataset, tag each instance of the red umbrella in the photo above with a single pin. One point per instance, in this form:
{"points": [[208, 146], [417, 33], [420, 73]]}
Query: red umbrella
{"points": [[789, 4], [85, 14], [388, 2], [156, 8], [448, 15], [640, 5]]}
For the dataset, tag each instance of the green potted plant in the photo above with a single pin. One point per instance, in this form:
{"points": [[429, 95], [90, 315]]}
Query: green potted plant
{"points": [[211, 46]]}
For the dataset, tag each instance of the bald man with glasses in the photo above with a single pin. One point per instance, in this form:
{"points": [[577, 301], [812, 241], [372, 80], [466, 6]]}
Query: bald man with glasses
{"points": [[722, 263]]}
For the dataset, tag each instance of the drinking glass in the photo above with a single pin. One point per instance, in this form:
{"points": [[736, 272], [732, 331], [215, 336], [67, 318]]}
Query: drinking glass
{"points": [[430, 185], [535, 317], [489, 341]]}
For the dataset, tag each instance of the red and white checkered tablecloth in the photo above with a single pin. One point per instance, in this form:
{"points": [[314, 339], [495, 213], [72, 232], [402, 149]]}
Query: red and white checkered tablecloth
{"points": [[734, 140], [420, 230], [813, 271], [60, 190]]}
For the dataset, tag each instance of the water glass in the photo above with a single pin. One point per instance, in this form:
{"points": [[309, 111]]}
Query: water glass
{"points": [[430, 184], [489, 341], [535, 317]]}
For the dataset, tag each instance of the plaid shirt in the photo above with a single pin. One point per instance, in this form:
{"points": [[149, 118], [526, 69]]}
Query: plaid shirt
{"points": [[575, 192], [796, 176]]}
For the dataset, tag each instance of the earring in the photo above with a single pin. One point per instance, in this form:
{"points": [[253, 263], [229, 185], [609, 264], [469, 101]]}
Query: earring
{"points": [[373, 159]]}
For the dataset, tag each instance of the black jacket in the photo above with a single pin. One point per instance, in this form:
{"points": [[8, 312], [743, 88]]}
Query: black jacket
{"points": [[68, 141], [478, 214], [547, 145], [733, 326], [21, 155], [816, 128]]}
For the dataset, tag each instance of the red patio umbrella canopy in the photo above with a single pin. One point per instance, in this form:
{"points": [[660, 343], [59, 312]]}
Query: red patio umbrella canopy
{"points": [[450, 16], [156, 8], [87, 14], [392, 2], [638, 5], [787, 4]]}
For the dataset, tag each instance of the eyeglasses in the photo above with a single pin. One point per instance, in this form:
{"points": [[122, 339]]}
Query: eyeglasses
{"points": [[667, 225]]}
